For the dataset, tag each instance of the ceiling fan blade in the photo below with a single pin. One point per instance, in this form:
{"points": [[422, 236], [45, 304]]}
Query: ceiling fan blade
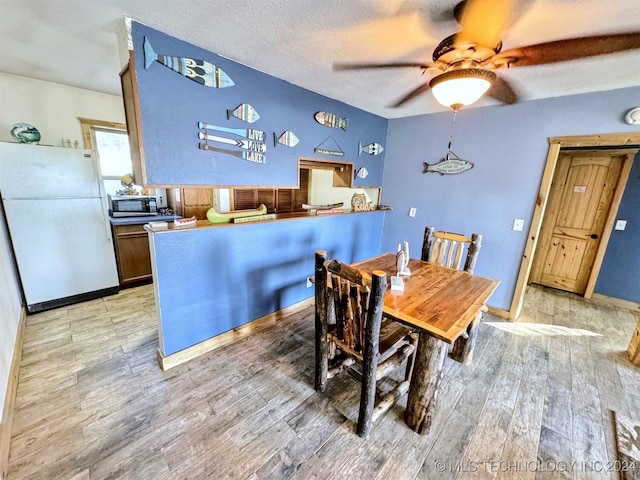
{"points": [[363, 66], [502, 91], [413, 93], [569, 49], [484, 21]]}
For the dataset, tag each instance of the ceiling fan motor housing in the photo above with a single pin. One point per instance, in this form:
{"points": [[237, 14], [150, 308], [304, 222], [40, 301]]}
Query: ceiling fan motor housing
{"points": [[465, 51]]}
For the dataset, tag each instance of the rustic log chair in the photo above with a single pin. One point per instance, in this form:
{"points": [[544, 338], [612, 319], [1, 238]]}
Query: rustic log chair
{"points": [[350, 331], [446, 249]]}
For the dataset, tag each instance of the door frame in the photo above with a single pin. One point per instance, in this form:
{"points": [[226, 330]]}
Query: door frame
{"points": [[629, 139]]}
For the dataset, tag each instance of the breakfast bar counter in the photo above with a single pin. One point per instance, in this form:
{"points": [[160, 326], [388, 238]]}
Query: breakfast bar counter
{"points": [[270, 219], [141, 220], [217, 282]]}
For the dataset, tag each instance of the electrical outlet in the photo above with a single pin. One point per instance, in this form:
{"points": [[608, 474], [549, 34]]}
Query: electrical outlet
{"points": [[518, 224], [412, 212], [621, 224]]}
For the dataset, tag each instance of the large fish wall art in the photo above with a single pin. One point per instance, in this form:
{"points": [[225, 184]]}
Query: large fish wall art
{"points": [[249, 133], [244, 112], [288, 139], [245, 144], [255, 157], [449, 165], [331, 120], [200, 71], [371, 149]]}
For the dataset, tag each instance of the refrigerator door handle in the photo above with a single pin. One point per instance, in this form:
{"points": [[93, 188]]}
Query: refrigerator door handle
{"points": [[105, 217], [103, 195]]}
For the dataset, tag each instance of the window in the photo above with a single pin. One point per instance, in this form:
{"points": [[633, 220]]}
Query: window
{"points": [[111, 141]]}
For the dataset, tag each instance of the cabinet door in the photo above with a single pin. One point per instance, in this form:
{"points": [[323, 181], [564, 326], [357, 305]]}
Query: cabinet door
{"points": [[134, 260], [301, 195], [197, 196], [199, 211], [268, 197], [285, 196], [244, 199]]}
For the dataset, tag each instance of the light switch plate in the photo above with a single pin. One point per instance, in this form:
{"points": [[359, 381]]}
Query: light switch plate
{"points": [[621, 224], [518, 224], [412, 212]]}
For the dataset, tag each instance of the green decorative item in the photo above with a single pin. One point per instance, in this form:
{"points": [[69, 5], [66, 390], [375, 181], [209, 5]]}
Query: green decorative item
{"points": [[25, 133], [226, 217]]}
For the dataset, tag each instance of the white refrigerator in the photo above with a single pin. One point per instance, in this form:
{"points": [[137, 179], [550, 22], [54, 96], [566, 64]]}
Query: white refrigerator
{"points": [[56, 212]]}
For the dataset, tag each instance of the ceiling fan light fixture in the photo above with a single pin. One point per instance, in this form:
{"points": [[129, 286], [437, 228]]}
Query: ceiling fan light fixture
{"points": [[461, 87]]}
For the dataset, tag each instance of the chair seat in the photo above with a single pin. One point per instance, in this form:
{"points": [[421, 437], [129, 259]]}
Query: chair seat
{"points": [[393, 336]]}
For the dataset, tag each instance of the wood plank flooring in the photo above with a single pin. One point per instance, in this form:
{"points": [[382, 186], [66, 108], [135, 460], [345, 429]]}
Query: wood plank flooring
{"points": [[92, 402]]}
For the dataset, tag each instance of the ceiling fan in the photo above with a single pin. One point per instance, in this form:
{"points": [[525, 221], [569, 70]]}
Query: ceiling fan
{"points": [[464, 63]]}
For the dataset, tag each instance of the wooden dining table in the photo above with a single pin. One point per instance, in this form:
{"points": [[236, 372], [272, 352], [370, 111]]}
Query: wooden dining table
{"points": [[444, 307]]}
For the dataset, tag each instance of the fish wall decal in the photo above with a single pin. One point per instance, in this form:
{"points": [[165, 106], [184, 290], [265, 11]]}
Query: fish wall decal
{"points": [[246, 144], [331, 120], [371, 149], [244, 112], [200, 71], [362, 172], [288, 139], [250, 133], [449, 165]]}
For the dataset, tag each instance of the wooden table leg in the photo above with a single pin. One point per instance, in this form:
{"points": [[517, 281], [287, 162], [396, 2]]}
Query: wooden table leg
{"points": [[425, 383], [462, 350]]}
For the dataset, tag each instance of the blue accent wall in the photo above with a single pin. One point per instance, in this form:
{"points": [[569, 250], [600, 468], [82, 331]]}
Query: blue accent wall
{"points": [[171, 106], [620, 273], [211, 280], [509, 146]]}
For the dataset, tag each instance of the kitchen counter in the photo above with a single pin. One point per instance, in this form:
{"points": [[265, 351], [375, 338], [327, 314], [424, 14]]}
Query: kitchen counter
{"points": [[279, 217], [142, 220]]}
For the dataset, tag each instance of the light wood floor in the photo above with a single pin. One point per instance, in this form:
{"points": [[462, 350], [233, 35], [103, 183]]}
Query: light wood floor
{"points": [[92, 402]]}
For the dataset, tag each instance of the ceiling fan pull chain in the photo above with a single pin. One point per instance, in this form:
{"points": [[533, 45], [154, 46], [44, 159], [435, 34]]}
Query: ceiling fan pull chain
{"points": [[453, 125]]}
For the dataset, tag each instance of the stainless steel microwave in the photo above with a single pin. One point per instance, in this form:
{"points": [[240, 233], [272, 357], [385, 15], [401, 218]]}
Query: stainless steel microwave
{"points": [[133, 206]]}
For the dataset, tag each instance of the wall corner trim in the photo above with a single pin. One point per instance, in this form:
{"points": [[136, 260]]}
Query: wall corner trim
{"points": [[499, 312], [615, 302], [10, 397]]}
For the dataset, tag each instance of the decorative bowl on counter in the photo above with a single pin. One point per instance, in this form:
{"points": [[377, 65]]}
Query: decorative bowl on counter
{"points": [[25, 133]]}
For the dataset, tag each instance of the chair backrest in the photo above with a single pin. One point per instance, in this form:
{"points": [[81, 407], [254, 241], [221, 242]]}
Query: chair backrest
{"points": [[352, 301], [446, 249]]}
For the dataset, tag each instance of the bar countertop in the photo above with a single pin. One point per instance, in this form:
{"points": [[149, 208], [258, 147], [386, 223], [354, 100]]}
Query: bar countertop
{"points": [[140, 220], [278, 217]]}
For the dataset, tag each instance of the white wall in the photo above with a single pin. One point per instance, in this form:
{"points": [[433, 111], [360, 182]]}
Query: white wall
{"points": [[53, 109], [322, 191], [10, 303]]}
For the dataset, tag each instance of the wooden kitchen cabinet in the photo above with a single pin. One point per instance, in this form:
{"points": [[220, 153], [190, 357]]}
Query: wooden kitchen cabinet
{"points": [[132, 254], [188, 202], [277, 200]]}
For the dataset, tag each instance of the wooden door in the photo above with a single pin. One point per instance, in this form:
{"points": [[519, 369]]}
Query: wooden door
{"points": [[582, 202]]}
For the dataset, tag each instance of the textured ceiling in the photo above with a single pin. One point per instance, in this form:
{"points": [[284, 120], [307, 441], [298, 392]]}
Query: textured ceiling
{"points": [[73, 42]]}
